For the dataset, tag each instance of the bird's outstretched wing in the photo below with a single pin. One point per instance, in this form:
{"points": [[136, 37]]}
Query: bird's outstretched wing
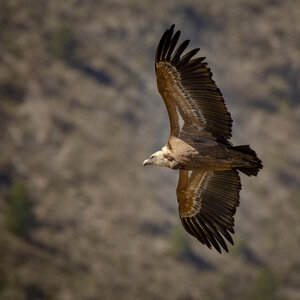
{"points": [[207, 204], [193, 101]]}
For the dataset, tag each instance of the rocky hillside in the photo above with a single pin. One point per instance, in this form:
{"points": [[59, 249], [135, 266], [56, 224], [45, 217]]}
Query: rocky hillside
{"points": [[80, 218]]}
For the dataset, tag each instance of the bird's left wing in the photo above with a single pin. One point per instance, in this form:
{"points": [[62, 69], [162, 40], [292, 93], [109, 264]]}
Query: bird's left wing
{"points": [[194, 103], [207, 204]]}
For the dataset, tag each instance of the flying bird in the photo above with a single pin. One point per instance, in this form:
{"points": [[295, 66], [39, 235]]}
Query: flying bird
{"points": [[198, 145]]}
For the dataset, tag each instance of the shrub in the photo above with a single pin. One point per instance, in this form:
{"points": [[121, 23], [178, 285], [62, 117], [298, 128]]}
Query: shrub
{"points": [[2, 280], [19, 218], [179, 242], [265, 285], [62, 43], [12, 89]]}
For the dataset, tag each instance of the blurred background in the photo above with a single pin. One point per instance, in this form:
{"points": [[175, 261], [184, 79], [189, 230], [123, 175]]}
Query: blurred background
{"points": [[80, 218]]}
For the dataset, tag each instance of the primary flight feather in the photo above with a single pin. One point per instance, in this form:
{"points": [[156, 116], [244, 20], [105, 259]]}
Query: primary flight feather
{"points": [[198, 145]]}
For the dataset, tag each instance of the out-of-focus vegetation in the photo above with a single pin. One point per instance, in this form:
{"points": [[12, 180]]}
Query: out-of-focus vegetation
{"points": [[79, 112], [19, 217], [62, 43], [265, 285], [179, 242]]}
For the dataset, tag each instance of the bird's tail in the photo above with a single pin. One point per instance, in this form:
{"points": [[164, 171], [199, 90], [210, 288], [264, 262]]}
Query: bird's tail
{"points": [[250, 156]]}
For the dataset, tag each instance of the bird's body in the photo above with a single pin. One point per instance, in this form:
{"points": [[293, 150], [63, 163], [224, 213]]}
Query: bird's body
{"points": [[197, 153], [198, 145]]}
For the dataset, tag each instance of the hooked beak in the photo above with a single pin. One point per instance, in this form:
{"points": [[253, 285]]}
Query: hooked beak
{"points": [[146, 162]]}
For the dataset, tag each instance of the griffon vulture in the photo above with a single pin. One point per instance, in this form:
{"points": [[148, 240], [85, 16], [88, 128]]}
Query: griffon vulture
{"points": [[198, 145]]}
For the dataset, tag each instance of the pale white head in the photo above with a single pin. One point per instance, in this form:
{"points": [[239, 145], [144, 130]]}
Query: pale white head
{"points": [[157, 159]]}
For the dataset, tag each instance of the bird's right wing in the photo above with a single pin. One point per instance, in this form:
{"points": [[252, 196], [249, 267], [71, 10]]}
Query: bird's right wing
{"points": [[207, 204]]}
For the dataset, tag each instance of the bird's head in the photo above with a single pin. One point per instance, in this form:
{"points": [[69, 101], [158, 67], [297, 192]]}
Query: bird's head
{"points": [[156, 159]]}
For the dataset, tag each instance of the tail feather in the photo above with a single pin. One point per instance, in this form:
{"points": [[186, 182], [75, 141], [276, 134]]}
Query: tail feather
{"points": [[256, 163]]}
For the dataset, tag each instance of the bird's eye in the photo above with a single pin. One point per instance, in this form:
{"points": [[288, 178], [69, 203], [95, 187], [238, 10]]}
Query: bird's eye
{"points": [[152, 156]]}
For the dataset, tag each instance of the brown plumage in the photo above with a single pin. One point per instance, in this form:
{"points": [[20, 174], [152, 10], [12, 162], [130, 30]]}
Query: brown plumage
{"points": [[198, 145]]}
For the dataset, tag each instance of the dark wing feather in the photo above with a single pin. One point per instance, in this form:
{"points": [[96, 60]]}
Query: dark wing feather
{"points": [[207, 204], [190, 94]]}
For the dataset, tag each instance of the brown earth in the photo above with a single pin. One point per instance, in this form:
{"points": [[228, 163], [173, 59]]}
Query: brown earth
{"points": [[79, 112]]}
